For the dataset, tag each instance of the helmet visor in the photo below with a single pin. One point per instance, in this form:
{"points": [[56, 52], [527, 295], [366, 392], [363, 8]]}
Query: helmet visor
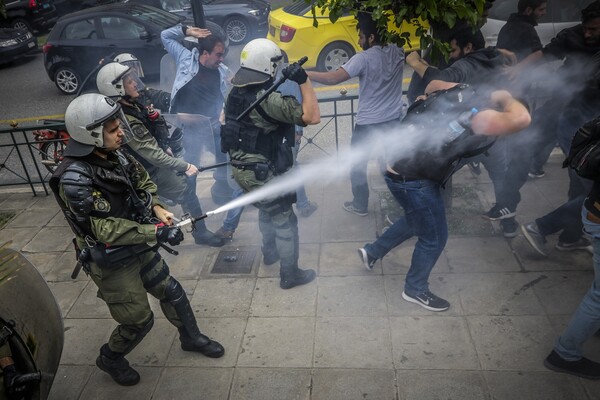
{"points": [[115, 130], [132, 78], [135, 65]]}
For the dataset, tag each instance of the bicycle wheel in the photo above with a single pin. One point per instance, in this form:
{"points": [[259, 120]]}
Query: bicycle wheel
{"points": [[52, 154]]}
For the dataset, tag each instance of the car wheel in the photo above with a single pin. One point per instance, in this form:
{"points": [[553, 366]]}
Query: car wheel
{"points": [[67, 80], [237, 30], [20, 23], [334, 55]]}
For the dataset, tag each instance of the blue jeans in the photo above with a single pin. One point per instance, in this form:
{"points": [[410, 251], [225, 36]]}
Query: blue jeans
{"points": [[424, 217], [586, 320]]}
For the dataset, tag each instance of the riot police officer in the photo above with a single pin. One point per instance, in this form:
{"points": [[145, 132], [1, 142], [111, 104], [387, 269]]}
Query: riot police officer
{"points": [[259, 146], [111, 205], [154, 147]]}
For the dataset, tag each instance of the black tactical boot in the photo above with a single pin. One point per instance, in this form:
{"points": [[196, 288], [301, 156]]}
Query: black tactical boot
{"points": [[201, 343], [204, 236], [294, 276], [117, 367]]}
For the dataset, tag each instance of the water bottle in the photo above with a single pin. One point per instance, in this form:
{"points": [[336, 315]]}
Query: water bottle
{"points": [[460, 124]]}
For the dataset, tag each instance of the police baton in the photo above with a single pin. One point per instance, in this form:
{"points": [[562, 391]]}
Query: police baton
{"points": [[267, 92], [202, 169]]}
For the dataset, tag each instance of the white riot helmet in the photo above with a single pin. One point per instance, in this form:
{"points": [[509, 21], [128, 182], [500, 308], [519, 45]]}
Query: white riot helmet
{"points": [[258, 62], [132, 61], [85, 118], [111, 79]]}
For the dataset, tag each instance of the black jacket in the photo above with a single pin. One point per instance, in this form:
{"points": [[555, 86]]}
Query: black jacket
{"points": [[519, 36]]}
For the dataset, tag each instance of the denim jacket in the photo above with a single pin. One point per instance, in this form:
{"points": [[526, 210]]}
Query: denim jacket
{"points": [[187, 61]]}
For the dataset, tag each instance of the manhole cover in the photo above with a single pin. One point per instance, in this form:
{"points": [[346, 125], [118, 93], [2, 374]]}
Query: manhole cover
{"points": [[234, 262]]}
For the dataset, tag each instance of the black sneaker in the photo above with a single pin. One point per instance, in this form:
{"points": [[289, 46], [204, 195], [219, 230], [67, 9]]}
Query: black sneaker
{"points": [[428, 300], [498, 212], [581, 244], [536, 174], [535, 238], [509, 228], [350, 207], [583, 368], [368, 261]]}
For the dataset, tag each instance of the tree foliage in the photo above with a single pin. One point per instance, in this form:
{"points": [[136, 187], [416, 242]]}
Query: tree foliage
{"points": [[421, 13]]}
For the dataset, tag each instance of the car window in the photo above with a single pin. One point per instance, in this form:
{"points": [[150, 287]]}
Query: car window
{"points": [[174, 5], [569, 10], [155, 16], [120, 28], [84, 29]]}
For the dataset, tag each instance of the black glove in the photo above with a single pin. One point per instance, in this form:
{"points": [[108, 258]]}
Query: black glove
{"points": [[169, 234], [13, 391], [294, 72]]}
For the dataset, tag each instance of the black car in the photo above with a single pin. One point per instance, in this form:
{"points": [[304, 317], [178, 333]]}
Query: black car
{"points": [[241, 20], [80, 40], [15, 43], [33, 15]]}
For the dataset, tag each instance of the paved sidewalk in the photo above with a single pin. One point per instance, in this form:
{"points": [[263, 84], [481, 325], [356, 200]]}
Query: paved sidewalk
{"points": [[349, 334]]}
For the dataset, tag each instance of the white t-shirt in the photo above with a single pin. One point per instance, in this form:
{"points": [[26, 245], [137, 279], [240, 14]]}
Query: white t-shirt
{"points": [[379, 71]]}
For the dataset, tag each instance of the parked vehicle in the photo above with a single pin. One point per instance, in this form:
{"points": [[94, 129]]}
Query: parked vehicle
{"points": [[560, 14], [15, 43], [327, 46], [241, 20], [81, 39], [33, 15], [64, 7]]}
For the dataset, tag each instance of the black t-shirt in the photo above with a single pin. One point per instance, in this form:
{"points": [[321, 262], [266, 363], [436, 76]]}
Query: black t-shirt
{"points": [[201, 95]]}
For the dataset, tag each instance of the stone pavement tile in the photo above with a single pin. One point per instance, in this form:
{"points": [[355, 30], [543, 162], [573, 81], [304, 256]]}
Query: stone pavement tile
{"points": [[443, 285], [345, 384], [19, 237], [269, 300], [89, 305], [309, 258], [69, 382], [270, 384], [432, 343], [21, 201], [227, 331], [83, 339], [427, 385], [591, 348], [511, 342], [191, 261], [352, 296], [353, 342], [193, 384], [153, 351], [341, 259], [346, 226], [480, 254], [561, 292], [547, 385], [50, 239], [227, 297], [66, 293], [503, 293], [32, 217], [592, 388], [398, 260], [556, 260], [102, 387], [58, 220], [48, 201], [309, 229], [63, 268], [44, 262], [278, 342]]}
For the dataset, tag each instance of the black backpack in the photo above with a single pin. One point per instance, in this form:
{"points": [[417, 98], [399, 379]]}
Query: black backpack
{"points": [[584, 154], [434, 115]]}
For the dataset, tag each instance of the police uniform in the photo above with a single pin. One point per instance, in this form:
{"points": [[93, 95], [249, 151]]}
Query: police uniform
{"points": [[255, 145], [149, 146]]}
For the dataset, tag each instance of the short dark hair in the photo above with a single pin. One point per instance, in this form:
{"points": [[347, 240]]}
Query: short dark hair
{"points": [[465, 35], [591, 12], [523, 4], [367, 26], [208, 43]]}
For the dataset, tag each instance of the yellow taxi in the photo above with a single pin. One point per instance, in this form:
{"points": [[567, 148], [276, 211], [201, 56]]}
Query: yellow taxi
{"points": [[327, 46]]}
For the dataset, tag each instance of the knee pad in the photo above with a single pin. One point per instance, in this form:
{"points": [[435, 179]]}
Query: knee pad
{"points": [[174, 292]]}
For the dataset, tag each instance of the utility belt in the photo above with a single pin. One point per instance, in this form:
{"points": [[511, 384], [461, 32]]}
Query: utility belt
{"points": [[108, 257], [261, 169]]}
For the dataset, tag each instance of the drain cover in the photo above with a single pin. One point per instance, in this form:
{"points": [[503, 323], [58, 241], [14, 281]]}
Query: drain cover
{"points": [[234, 262]]}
